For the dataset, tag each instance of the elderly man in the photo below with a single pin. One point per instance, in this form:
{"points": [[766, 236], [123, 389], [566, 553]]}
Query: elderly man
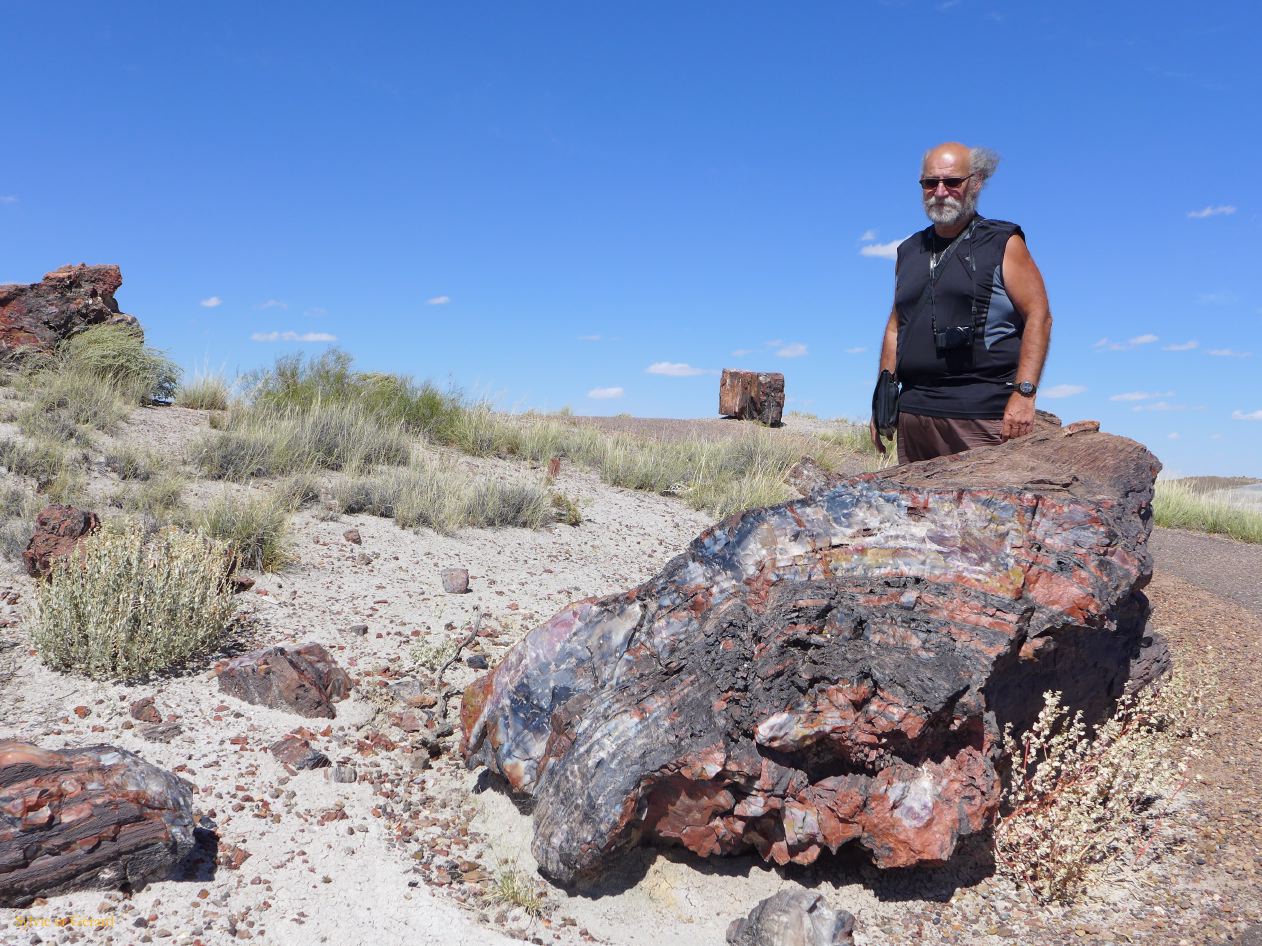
{"points": [[970, 326]]}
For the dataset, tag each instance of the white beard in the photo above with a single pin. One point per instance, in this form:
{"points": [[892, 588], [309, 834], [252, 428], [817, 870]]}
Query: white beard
{"points": [[950, 210]]}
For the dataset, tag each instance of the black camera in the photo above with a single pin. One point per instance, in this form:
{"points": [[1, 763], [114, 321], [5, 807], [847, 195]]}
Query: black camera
{"points": [[952, 337]]}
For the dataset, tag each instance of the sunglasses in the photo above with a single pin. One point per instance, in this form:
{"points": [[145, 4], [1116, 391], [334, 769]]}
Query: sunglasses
{"points": [[952, 183]]}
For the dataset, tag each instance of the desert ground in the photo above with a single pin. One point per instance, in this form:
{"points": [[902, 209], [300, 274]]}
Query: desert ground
{"points": [[409, 849]]}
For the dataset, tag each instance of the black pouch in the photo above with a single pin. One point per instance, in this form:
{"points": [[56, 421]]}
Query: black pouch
{"points": [[885, 404]]}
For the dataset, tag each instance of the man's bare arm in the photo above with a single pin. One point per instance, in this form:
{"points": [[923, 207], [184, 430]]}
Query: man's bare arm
{"points": [[889, 355], [1025, 288]]}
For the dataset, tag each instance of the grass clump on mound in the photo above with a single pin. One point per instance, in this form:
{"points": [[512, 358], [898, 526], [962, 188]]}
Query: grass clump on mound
{"points": [[1178, 505], [444, 498], [126, 605], [296, 383], [206, 392], [273, 441], [118, 355]]}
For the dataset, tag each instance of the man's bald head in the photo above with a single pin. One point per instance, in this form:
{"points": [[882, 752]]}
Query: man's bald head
{"points": [[961, 159]]}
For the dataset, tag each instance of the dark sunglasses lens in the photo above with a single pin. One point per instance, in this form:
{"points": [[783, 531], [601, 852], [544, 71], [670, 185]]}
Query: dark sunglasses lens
{"points": [[931, 183]]}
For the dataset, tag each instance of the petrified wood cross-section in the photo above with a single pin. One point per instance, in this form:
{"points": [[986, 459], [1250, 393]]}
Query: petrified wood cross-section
{"points": [[833, 669]]}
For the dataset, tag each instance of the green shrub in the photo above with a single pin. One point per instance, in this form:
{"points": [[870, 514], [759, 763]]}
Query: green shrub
{"points": [[206, 392], [566, 510], [126, 605], [64, 401], [118, 354], [256, 529], [1179, 505], [270, 441]]}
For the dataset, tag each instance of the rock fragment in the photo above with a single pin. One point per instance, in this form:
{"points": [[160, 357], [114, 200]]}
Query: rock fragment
{"points": [[304, 679], [752, 395], [455, 580], [58, 529], [793, 918]]}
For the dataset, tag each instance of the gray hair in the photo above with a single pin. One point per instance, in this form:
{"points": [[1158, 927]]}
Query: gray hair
{"points": [[983, 162]]}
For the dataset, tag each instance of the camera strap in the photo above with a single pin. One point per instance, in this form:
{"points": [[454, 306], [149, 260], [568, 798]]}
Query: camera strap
{"points": [[936, 264]]}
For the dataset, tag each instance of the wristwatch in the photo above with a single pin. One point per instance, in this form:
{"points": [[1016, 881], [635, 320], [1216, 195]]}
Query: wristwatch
{"points": [[1026, 389]]}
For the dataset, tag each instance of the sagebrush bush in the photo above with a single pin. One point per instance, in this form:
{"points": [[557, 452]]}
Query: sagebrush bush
{"points": [[1078, 800], [255, 529], [127, 605], [271, 441], [206, 392], [118, 354]]}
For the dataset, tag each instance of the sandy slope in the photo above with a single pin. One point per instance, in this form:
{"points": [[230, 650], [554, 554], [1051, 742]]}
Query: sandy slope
{"points": [[408, 854]]}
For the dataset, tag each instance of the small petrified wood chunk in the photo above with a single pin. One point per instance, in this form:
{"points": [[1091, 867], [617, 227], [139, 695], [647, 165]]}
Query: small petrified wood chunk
{"points": [[752, 395], [91, 817], [58, 529], [834, 669], [793, 918], [304, 680]]}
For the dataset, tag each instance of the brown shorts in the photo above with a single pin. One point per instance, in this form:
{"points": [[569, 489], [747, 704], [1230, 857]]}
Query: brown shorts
{"points": [[923, 438]]}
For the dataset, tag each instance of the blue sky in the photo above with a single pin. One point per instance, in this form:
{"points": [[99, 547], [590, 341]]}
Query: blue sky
{"points": [[601, 205]]}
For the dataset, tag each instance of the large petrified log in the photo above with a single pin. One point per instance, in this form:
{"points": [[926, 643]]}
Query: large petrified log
{"points": [[752, 395], [92, 817], [833, 669], [39, 315]]}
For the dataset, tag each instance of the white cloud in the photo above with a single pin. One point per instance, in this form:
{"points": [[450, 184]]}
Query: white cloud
{"points": [[8, 199], [856, 351], [1229, 353], [1140, 396], [438, 300], [742, 352], [868, 236], [1164, 407], [604, 394], [212, 303], [1182, 346], [1107, 344], [273, 304], [1062, 390], [881, 250], [292, 337], [1141, 340], [674, 369], [792, 350], [1251, 415], [1173, 436], [1211, 211], [589, 338]]}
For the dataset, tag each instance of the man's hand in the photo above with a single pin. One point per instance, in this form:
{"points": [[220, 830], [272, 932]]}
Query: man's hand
{"points": [[1018, 417], [876, 437]]}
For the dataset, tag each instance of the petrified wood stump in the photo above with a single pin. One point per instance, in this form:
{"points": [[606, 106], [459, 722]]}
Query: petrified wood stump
{"points": [[91, 817], [832, 669], [752, 395], [58, 529], [68, 300]]}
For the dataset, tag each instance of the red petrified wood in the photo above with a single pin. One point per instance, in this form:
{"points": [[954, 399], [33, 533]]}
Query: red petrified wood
{"points": [[302, 679], [91, 817], [39, 315], [752, 395], [58, 530], [835, 669]]}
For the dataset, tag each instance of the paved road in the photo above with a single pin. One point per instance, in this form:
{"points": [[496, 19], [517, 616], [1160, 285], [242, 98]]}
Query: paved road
{"points": [[1229, 569]]}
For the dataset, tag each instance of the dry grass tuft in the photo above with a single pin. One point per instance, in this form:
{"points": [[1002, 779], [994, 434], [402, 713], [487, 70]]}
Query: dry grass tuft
{"points": [[255, 529], [1179, 505], [206, 392], [127, 605]]}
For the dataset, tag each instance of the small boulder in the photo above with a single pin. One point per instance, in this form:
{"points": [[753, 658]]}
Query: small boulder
{"points": [[793, 918], [353, 536], [95, 817], [455, 580], [58, 529], [304, 680]]}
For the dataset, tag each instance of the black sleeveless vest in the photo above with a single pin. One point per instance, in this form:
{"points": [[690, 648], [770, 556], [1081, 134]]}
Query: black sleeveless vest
{"points": [[967, 289]]}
